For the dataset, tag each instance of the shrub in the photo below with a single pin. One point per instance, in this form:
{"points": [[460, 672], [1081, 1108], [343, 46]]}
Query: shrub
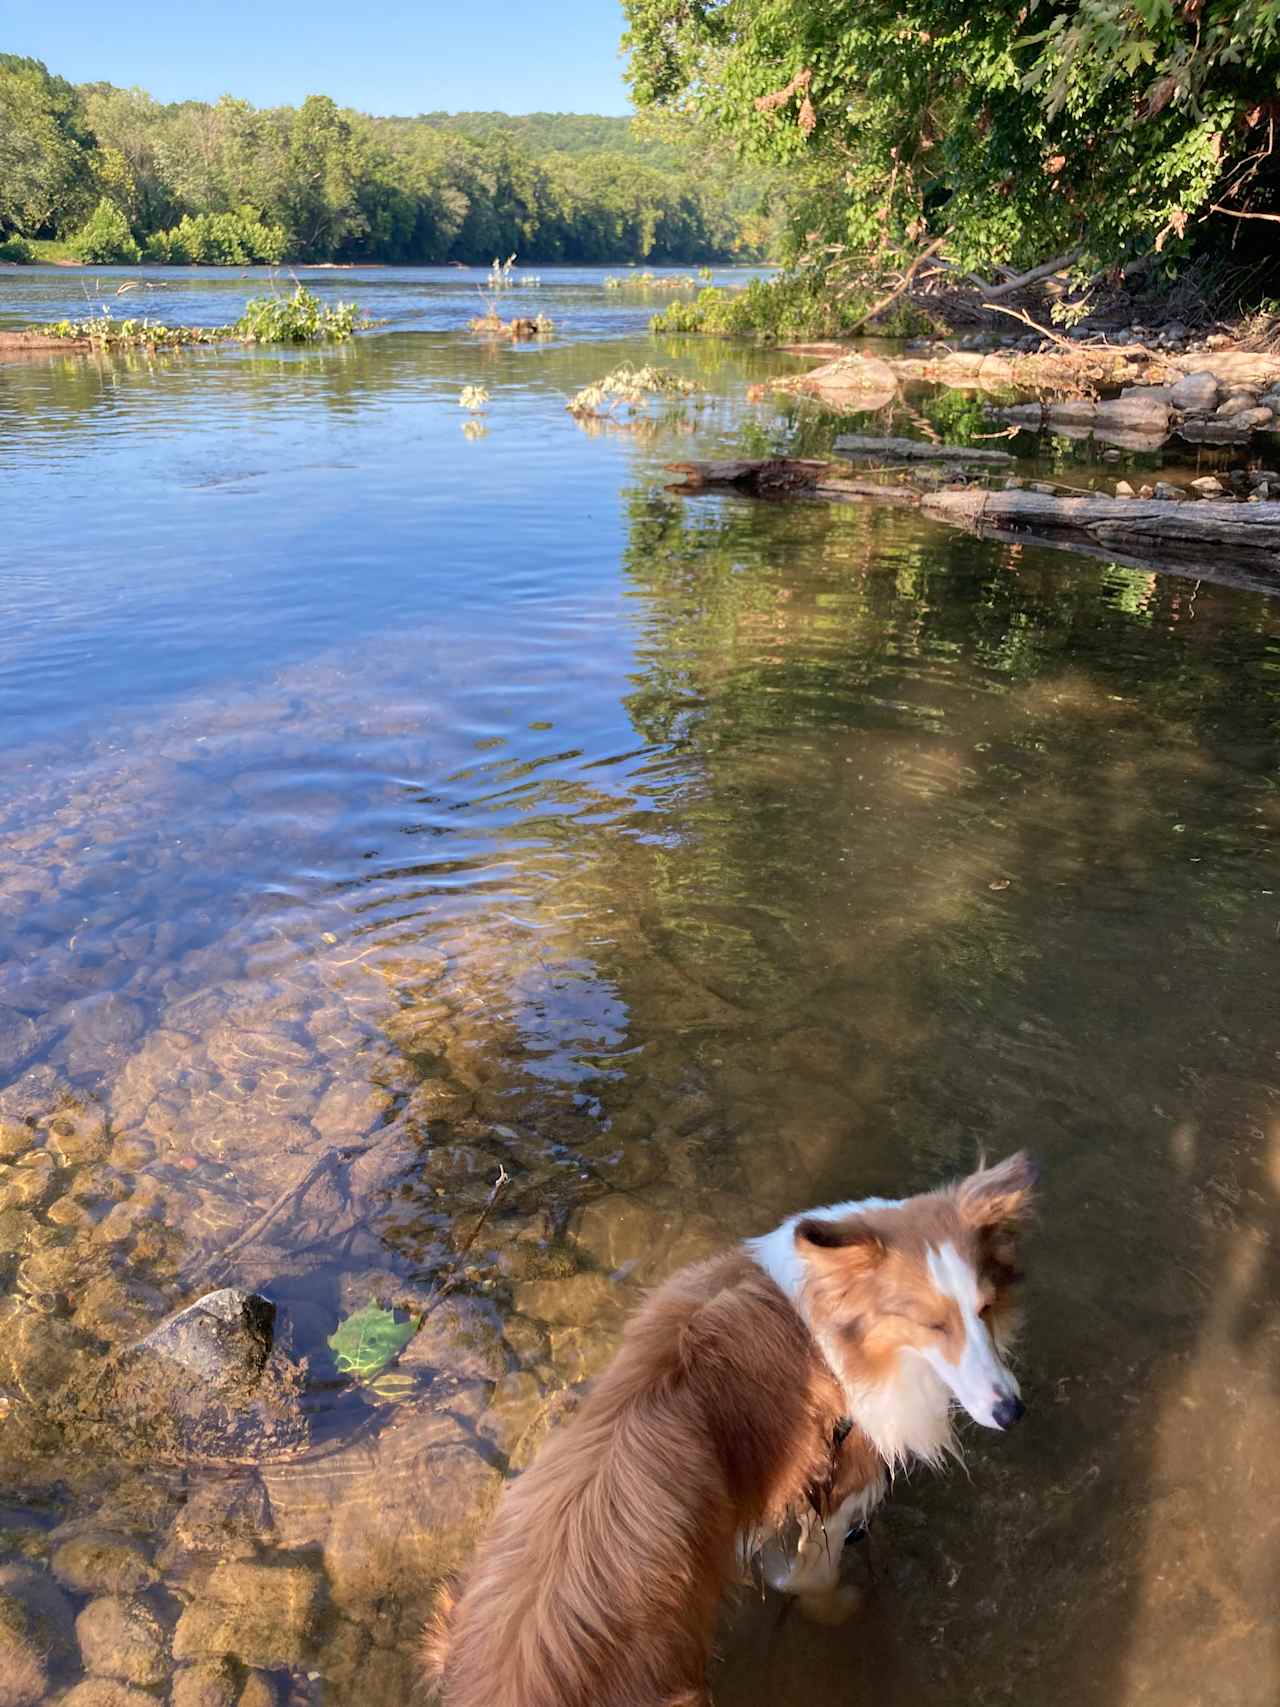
{"points": [[105, 237], [16, 248], [797, 307], [298, 319], [236, 239]]}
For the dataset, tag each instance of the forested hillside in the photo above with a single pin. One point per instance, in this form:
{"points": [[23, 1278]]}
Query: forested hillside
{"points": [[120, 176]]}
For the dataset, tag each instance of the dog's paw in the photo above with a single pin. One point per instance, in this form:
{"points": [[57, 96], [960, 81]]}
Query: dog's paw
{"points": [[830, 1606]]}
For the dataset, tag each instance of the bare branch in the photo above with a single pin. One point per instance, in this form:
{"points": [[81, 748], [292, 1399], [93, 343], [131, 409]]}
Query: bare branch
{"points": [[1235, 213], [991, 293], [904, 284]]}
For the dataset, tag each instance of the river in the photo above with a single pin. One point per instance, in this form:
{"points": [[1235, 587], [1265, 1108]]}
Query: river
{"points": [[436, 792]]}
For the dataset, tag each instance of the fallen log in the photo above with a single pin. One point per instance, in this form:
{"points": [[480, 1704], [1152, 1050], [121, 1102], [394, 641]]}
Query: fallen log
{"points": [[1198, 536], [858, 446], [1134, 525], [762, 475]]}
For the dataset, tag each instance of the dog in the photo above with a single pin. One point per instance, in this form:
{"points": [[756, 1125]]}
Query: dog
{"points": [[770, 1391]]}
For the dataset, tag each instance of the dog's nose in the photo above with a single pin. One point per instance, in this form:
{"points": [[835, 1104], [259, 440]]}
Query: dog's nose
{"points": [[1008, 1412]]}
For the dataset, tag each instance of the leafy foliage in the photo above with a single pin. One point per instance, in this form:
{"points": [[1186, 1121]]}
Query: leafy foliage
{"points": [[105, 236], [235, 239], [105, 332], [797, 307], [366, 1343], [299, 318], [631, 388], [16, 249], [1102, 130]]}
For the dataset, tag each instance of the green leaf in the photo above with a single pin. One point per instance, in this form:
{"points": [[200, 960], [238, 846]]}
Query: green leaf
{"points": [[368, 1341]]}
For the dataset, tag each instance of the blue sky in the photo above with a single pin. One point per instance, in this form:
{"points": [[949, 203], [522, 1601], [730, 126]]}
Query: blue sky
{"points": [[402, 56]]}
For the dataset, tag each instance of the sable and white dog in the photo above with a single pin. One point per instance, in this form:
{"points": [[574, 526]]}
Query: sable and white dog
{"points": [[769, 1391]]}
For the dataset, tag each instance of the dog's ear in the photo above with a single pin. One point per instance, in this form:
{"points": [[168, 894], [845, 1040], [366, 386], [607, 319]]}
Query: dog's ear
{"points": [[850, 1243], [1000, 1194]]}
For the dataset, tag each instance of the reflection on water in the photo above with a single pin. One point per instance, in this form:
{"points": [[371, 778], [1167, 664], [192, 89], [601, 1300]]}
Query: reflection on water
{"points": [[381, 809]]}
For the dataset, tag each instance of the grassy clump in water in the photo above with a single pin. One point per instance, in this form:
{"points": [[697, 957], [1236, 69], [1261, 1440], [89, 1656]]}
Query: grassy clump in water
{"points": [[655, 281], [274, 319], [297, 319], [788, 308], [105, 332]]}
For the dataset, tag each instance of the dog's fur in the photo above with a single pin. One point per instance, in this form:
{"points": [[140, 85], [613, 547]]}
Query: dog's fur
{"points": [[721, 1424]]}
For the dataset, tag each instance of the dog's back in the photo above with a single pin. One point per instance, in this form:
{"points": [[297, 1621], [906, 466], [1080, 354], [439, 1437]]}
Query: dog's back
{"points": [[599, 1581]]}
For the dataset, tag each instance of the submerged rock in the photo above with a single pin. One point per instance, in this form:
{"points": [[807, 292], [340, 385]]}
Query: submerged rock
{"points": [[264, 1615], [98, 1562], [106, 1692], [124, 1639], [36, 1634], [208, 1683], [209, 1384]]}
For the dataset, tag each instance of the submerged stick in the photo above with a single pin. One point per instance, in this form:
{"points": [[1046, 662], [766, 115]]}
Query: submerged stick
{"points": [[331, 1159], [454, 1273]]}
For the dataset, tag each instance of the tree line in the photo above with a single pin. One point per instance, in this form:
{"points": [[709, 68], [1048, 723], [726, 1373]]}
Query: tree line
{"points": [[120, 176]]}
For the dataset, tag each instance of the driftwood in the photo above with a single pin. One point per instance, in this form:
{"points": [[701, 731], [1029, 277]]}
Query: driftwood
{"points": [[857, 447], [770, 474], [1134, 525], [1149, 533]]}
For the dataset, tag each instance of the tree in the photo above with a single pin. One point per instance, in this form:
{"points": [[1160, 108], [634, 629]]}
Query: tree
{"points": [[44, 150], [1097, 129]]}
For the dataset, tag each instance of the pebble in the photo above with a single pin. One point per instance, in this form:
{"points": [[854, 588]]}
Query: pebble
{"points": [[122, 1638], [1171, 493], [1197, 391], [106, 1692], [16, 1138], [1123, 489], [208, 1683], [101, 1563], [35, 1633], [258, 1691], [1208, 486]]}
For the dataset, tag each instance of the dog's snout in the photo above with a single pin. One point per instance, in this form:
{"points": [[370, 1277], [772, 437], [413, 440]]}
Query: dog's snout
{"points": [[1008, 1412]]}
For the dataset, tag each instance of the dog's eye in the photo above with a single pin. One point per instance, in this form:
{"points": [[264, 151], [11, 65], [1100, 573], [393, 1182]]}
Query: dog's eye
{"points": [[937, 1327], [984, 1312]]}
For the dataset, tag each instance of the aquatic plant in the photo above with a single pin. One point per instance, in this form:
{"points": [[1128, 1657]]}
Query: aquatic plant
{"points": [[300, 318], [474, 397], [272, 319], [105, 332], [631, 388], [652, 281]]}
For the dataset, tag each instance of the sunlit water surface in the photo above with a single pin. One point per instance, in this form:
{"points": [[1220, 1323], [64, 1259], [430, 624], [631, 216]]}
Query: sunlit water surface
{"points": [[391, 795]]}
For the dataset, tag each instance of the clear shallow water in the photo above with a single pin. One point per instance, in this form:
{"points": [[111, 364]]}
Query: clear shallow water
{"points": [[459, 803]]}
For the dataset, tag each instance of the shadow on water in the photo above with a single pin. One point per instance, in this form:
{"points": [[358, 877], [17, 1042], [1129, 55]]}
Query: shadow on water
{"points": [[802, 856]]}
